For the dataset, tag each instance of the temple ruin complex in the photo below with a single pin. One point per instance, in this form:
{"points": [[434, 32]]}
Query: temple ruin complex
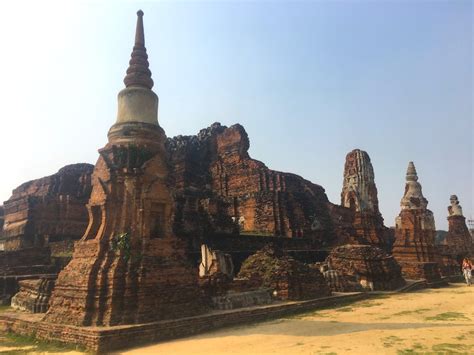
{"points": [[171, 236]]}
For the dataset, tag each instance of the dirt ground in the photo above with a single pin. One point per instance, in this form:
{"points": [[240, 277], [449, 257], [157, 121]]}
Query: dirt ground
{"points": [[434, 321]]}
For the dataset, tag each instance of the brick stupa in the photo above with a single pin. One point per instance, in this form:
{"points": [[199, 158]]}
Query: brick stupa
{"points": [[129, 267], [458, 243], [458, 238], [414, 246]]}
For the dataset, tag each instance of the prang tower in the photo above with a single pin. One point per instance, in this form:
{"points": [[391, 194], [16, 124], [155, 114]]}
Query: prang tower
{"points": [[129, 267], [359, 193]]}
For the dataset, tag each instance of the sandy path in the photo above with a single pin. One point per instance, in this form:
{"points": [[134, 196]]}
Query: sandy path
{"points": [[435, 321]]}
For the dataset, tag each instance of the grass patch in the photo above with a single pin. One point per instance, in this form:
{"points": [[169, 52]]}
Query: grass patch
{"points": [[408, 352], [5, 308], [417, 311], [368, 304], [34, 345], [418, 346], [461, 292], [391, 340], [450, 348], [308, 315], [448, 316]]}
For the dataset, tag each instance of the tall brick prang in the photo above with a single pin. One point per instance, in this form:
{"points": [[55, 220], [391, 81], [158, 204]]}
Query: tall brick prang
{"points": [[359, 193]]}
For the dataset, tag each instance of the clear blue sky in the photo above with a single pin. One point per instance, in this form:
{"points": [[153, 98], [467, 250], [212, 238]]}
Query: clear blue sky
{"points": [[309, 81]]}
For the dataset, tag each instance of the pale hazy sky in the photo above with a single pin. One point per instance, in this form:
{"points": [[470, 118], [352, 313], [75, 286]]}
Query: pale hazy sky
{"points": [[309, 81]]}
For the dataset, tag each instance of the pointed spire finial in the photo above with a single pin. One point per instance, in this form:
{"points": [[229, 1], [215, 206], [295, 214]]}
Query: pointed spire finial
{"points": [[138, 73], [411, 172]]}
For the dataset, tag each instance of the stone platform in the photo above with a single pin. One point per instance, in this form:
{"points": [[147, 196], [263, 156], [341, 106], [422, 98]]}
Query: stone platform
{"points": [[102, 339]]}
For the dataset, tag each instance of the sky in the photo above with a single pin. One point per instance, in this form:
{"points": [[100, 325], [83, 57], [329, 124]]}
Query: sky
{"points": [[309, 81]]}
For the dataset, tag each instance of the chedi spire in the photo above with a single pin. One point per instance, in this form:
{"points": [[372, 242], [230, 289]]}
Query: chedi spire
{"points": [[413, 197], [138, 73], [137, 102]]}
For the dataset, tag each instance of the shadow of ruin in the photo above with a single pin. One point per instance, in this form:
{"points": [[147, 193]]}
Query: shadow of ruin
{"points": [[167, 237]]}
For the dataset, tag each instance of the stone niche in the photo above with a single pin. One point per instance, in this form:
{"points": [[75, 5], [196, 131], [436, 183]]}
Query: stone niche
{"points": [[288, 278], [220, 188], [372, 267], [415, 231], [48, 210]]}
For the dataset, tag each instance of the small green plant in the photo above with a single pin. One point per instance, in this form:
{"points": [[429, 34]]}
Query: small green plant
{"points": [[122, 244]]}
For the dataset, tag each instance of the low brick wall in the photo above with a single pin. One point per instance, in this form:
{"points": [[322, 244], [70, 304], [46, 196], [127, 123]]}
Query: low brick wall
{"points": [[101, 339]]}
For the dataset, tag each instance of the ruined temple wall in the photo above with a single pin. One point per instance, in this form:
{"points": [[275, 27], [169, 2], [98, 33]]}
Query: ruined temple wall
{"points": [[25, 261], [50, 208], [259, 200]]}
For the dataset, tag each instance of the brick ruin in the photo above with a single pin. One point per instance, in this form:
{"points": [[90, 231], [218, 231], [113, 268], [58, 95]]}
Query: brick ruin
{"points": [[34, 295], [372, 267], [2, 220], [129, 267], [223, 198], [458, 243], [359, 194], [48, 211], [290, 279], [42, 217], [220, 188], [414, 246]]}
